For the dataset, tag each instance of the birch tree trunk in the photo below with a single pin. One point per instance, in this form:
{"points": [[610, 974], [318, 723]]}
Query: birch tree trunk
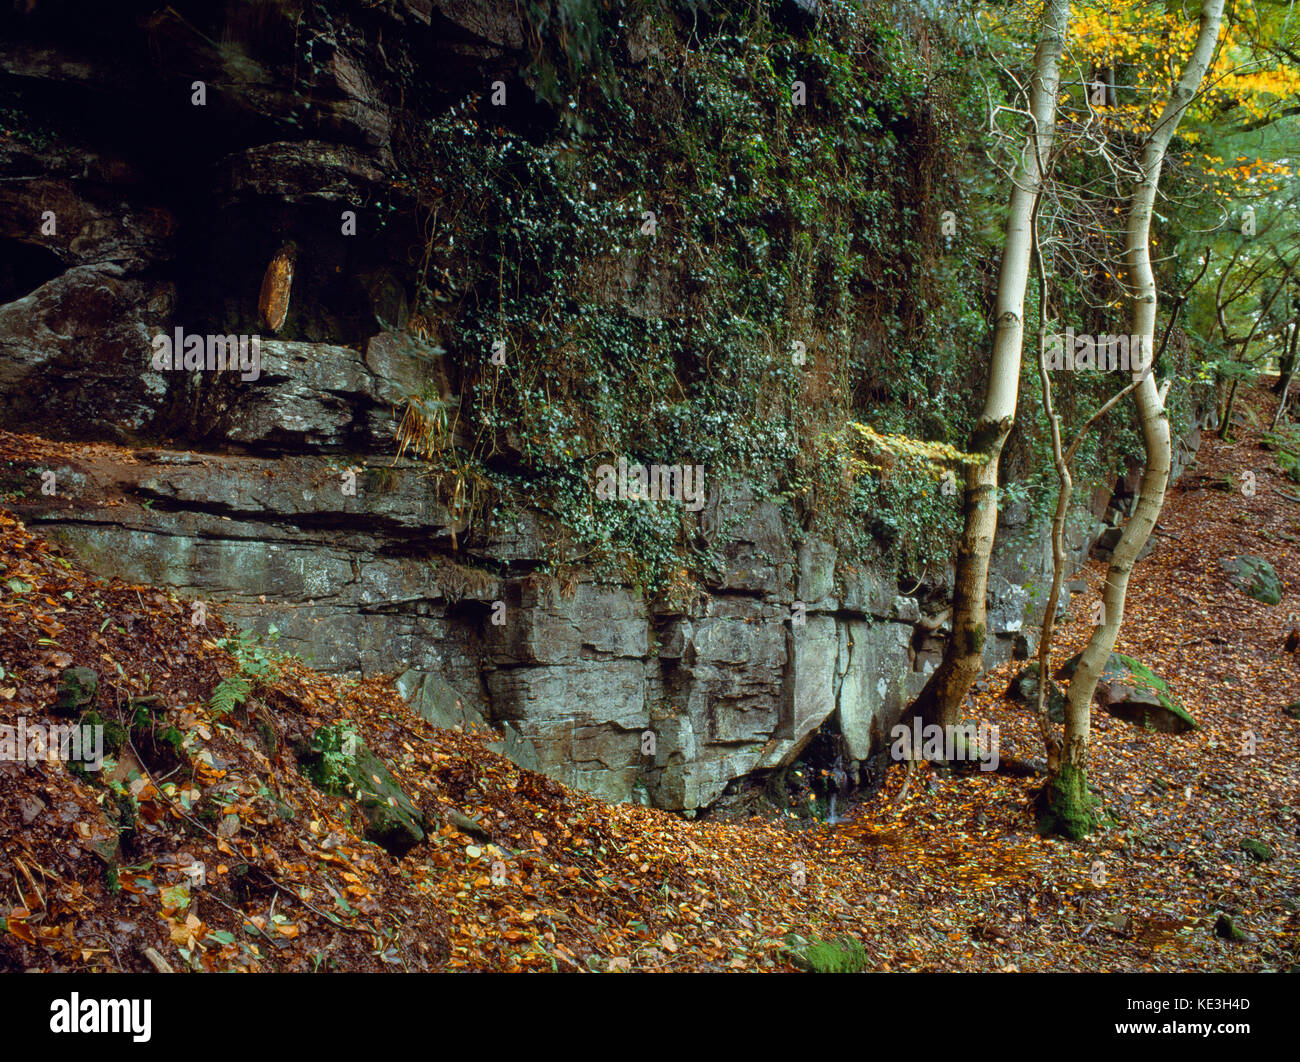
{"points": [[1287, 374], [940, 702], [1066, 806], [1286, 364]]}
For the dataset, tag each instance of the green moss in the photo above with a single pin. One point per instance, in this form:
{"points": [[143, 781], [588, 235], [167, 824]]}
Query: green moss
{"points": [[846, 956], [1143, 676], [78, 688], [1066, 805], [1255, 577], [1257, 850], [127, 811], [267, 736], [172, 736], [114, 733], [1225, 926], [1128, 671]]}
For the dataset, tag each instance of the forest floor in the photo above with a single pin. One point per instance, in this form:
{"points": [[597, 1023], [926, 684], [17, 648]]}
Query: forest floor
{"points": [[953, 878]]}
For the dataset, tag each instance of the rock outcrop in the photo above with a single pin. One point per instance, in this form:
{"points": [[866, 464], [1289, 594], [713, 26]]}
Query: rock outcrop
{"points": [[279, 496], [786, 641]]}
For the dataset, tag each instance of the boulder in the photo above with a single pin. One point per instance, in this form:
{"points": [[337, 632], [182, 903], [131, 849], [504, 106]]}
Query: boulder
{"points": [[1257, 850], [1255, 577], [1024, 690], [1226, 928], [517, 748], [340, 763], [1131, 691], [78, 688], [436, 701]]}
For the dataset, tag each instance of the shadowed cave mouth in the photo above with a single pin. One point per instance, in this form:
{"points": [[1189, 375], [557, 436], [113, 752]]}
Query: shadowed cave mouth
{"points": [[24, 267], [802, 789]]}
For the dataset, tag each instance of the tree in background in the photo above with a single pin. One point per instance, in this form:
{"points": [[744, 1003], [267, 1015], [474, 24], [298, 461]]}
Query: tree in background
{"points": [[1066, 805], [940, 701]]}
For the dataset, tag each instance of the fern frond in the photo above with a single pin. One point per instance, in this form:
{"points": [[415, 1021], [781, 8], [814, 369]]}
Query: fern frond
{"points": [[230, 693]]}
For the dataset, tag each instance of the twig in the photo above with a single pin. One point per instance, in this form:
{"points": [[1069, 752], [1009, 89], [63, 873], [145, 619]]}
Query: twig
{"points": [[914, 589], [30, 881]]}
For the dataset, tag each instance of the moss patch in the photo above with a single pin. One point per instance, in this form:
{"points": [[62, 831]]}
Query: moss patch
{"points": [[1257, 850], [1255, 577], [822, 956], [1144, 678], [1066, 806]]}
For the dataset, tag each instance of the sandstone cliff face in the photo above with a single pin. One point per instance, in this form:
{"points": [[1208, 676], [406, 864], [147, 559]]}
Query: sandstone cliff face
{"points": [[578, 674], [279, 496]]}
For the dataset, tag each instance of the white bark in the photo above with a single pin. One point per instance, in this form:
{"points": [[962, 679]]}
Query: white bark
{"points": [[1150, 403], [941, 700]]}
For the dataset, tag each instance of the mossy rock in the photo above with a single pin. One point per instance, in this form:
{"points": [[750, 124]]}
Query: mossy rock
{"points": [[1150, 702], [78, 688], [1255, 577], [1293, 710], [1257, 850], [822, 956], [1131, 691], [340, 763], [114, 733], [1226, 928], [1024, 690], [267, 736]]}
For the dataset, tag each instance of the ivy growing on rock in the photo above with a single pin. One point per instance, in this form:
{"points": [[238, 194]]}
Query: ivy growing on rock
{"points": [[676, 258]]}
